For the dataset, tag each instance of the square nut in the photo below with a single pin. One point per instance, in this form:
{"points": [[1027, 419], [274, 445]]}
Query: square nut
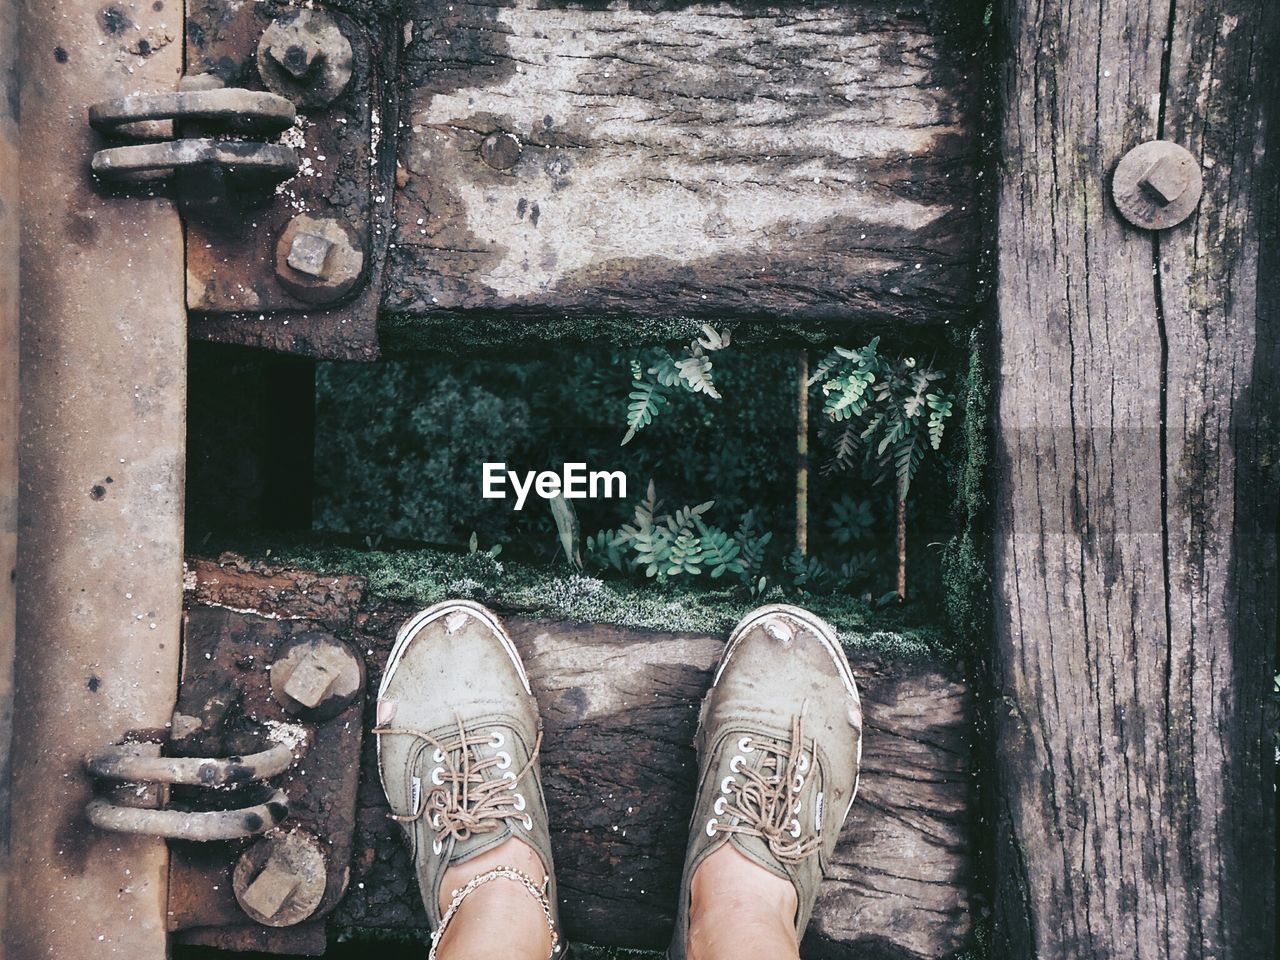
{"points": [[309, 253]]}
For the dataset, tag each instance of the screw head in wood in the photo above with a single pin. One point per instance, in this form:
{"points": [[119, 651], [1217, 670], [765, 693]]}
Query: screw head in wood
{"points": [[1157, 185], [501, 150]]}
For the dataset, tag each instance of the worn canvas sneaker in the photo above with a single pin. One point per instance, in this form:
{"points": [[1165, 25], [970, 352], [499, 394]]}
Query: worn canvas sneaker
{"points": [[458, 736], [779, 747]]}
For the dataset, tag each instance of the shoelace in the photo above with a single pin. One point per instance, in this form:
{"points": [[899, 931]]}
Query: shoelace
{"points": [[766, 800], [462, 801]]}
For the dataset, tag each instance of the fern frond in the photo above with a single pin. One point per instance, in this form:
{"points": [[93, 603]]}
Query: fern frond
{"points": [[684, 556], [695, 374], [719, 550], [646, 401]]}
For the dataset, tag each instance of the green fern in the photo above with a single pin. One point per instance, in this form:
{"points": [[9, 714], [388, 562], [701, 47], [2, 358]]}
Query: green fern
{"points": [[646, 401], [684, 556], [939, 410], [663, 372], [605, 551], [720, 551], [751, 543]]}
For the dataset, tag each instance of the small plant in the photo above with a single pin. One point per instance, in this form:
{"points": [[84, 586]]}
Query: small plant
{"points": [[891, 413], [658, 374], [676, 544]]}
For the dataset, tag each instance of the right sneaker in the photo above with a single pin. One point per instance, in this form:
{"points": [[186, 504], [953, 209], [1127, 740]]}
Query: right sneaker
{"points": [[458, 737], [779, 749]]}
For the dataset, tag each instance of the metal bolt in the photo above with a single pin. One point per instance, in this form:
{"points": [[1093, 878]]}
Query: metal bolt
{"points": [[319, 259], [1157, 185], [1165, 180], [299, 58], [501, 150], [281, 879], [317, 676], [309, 252], [304, 56]]}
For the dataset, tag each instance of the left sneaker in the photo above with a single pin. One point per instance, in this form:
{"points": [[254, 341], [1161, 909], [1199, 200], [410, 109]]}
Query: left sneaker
{"points": [[458, 737]]}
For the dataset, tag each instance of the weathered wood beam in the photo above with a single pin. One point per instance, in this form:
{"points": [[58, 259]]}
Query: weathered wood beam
{"points": [[1137, 469], [619, 707], [796, 162]]}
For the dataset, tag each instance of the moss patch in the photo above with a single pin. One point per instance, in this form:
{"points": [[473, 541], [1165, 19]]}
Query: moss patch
{"points": [[426, 576]]}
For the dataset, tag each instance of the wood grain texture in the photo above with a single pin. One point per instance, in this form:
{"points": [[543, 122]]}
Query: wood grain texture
{"points": [[798, 161], [1136, 518], [620, 707]]}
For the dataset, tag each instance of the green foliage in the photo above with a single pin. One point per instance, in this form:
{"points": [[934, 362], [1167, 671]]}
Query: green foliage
{"points": [[851, 520], [658, 373], [887, 407], [425, 576]]}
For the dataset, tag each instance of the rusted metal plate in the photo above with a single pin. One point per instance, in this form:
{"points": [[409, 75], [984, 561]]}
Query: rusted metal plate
{"points": [[810, 163], [234, 287], [227, 707]]}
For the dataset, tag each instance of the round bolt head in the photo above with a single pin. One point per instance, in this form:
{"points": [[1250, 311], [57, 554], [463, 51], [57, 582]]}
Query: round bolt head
{"points": [[1157, 185], [281, 879], [316, 677], [501, 150], [319, 259], [304, 56]]}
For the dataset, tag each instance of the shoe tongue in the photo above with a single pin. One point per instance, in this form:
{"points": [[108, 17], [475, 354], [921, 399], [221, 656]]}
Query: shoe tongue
{"points": [[478, 843], [757, 849]]}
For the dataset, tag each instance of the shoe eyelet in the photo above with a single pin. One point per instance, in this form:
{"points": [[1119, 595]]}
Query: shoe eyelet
{"points": [[438, 756], [745, 746], [504, 759], [795, 829], [519, 804], [437, 776], [798, 784], [435, 820], [498, 739], [720, 805], [711, 827], [795, 807], [734, 764], [509, 775], [437, 847], [528, 822], [803, 764], [724, 784]]}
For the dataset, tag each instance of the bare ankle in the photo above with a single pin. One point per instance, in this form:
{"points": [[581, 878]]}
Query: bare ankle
{"points": [[500, 919], [739, 909]]}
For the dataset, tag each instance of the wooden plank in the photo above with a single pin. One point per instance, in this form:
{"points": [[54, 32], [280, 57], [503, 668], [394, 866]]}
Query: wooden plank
{"points": [[788, 161], [1135, 534]]}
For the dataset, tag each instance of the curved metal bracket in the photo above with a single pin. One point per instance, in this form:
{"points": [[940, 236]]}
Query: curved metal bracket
{"points": [[190, 825], [235, 156], [130, 762], [246, 111]]}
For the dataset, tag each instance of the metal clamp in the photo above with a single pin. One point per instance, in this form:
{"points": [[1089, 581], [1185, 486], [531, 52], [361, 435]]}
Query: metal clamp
{"points": [[235, 156], [202, 100], [190, 825], [246, 111], [141, 764], [130, 762]]}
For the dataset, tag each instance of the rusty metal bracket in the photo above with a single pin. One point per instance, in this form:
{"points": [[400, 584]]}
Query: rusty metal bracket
{"points": [[244, 111], [269, 160], [202, 825], [130, 762]]}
